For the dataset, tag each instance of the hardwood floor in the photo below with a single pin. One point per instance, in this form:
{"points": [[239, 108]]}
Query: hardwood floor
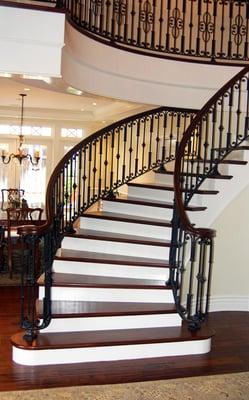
{"points": [[230, 353]]}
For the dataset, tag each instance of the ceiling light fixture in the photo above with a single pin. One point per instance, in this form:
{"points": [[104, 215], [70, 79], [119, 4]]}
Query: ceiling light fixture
{"points": [[21, 154]]}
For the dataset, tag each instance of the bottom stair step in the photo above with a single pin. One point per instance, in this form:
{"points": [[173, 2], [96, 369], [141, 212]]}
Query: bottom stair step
{"points": [[78, 347], [76, 316]]}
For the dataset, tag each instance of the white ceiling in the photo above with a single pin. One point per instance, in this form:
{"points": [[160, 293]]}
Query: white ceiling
{"points": [[51, 100]]}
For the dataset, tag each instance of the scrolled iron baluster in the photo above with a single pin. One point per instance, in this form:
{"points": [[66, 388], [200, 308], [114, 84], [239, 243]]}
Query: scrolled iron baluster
{"points": [[215, 31]]}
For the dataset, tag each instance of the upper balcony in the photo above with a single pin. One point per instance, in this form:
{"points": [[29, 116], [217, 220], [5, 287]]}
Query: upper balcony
{"points": [[211, 33]]}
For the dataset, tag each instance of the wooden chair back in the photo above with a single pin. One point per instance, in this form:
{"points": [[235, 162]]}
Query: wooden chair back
{"points": [[17, 217], [10, 197]]}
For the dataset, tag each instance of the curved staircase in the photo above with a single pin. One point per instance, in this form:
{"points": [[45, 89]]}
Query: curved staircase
{"points": [[110, 298], [127, 270]]}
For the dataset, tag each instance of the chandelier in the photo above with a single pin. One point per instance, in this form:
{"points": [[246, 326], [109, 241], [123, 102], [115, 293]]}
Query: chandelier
{"points": [[21, 154]]}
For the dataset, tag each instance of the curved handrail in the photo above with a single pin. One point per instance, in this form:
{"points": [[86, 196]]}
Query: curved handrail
{"points": [[203, 31], [219, 128], [195, 124]]}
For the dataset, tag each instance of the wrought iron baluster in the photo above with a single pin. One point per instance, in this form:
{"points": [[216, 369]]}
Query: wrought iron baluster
{"points": [[94, 168], [108, 14], [153, 30], [214, 39], [106, 162], [79, 174], [130, 150], [133, 14], [90, 149], [221, 124], [230, 116], [100, 161], [246, 128], [84, 178], [163, 156], [144, 144], [167, 39], [183, 36], [117, 134], [198, 38], [112, 158], [102, 17], [137, 148], [171, 135], [191, 25], [238, 113], [209, 243], [124, 153], [213, 135], [222, 30], [139, 24], [161, 25], [150, 141]]}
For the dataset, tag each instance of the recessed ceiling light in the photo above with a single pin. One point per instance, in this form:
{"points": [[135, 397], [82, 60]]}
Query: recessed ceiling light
{"points": [[5, 75], [94, 104], [27, 89], [72, 90], [82, 109], [46, 79], [103, 122]]}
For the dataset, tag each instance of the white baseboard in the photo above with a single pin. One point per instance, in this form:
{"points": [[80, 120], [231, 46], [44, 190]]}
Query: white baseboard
{"points": [[229, 303]]}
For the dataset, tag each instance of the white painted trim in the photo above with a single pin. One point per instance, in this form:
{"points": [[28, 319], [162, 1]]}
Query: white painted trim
{"points": [[109, 353], [229, 303]]}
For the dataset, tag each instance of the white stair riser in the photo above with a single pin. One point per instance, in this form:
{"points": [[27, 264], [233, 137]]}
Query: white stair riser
{"points": [[110, 247], [198, 218], [114, 270], [109, 353], [137, 209], [151, 194], [109, 323], [164, 179], [129, 228], [109, 294]]}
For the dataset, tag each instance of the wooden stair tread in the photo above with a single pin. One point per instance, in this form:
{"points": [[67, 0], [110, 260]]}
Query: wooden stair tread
{"points": [[152, 203], [126, 218], [118, 237], [110, 338], [78, 309], [170, 188], [226, 161], [220, 176], [104, 258], [95, 281]]}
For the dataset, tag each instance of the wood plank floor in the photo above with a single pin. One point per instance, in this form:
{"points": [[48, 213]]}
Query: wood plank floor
{"points": [[230, 353]]}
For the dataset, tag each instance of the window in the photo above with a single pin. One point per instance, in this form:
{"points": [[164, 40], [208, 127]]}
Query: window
{"points": [[71, 133], [44, 131]]}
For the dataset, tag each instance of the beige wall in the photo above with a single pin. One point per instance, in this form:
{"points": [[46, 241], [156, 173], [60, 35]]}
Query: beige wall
{"points": [[230, 282]]}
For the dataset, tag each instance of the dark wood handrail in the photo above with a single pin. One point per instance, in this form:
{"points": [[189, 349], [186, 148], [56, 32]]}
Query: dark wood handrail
{"points": [[184, 220]]}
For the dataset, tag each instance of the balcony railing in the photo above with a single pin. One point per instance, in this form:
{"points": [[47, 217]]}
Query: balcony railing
{"points": [[198, 30]]}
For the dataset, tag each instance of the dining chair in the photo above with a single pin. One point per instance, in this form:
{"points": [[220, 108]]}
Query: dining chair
{"points": [[17, 217], [10, 197]]}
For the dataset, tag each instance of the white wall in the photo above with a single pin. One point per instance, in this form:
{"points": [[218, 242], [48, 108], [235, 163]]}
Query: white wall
{"points": [[230, 287], [31, 41]]}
